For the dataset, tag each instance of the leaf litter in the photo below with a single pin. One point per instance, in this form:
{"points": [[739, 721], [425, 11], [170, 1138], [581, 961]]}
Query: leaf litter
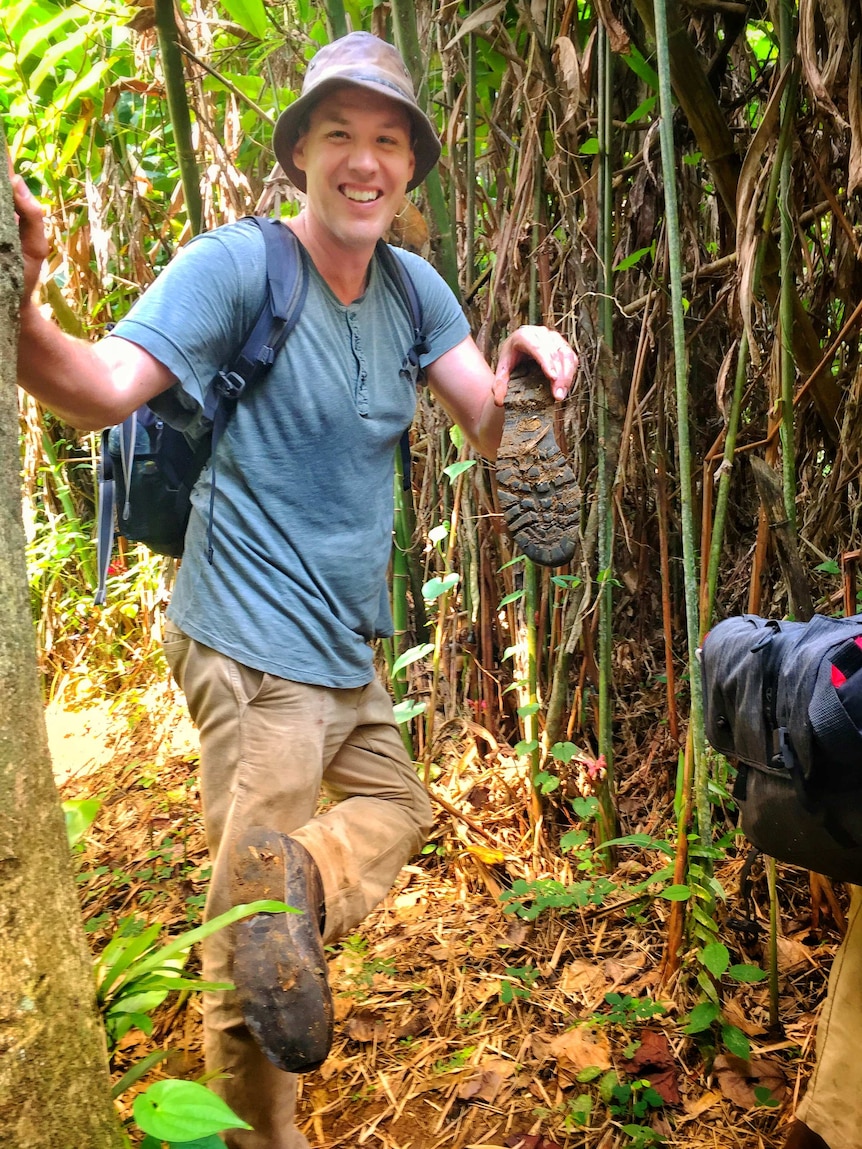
{"points": [[427, 1052]]}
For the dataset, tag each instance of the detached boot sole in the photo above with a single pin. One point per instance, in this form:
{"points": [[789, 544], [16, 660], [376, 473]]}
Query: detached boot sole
{"points": [[537, 489], [279, 962]]}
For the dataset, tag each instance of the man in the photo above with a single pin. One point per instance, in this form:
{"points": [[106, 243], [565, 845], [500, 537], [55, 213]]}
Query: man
{"points": [[270, 642]]}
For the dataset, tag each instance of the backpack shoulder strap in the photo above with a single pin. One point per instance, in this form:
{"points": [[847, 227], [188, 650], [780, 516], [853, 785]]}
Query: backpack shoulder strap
{"points": [[401, 279], [286, 289], [403, 282]]}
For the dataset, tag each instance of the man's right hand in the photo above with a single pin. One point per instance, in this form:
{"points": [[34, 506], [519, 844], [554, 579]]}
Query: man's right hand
{"points": [[31, 229]]}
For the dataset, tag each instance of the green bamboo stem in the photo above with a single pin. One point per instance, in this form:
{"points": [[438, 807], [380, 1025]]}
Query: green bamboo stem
{"points": [[407, 42], [178, 110], [531, 718], [722, 498], [440, 625], [785, 198], [689, 548], [336, 17], [606, 819]]}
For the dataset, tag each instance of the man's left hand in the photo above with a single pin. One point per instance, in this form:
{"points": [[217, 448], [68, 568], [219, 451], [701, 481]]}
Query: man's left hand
{"points": [[556, 358]]}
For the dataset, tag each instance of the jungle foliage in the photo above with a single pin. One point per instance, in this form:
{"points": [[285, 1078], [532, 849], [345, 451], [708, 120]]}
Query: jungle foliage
{"points": [[675, 188]]}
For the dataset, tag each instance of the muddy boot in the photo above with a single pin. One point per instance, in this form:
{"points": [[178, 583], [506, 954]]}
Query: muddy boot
{"points": [[538, 493], [279, 964], [801, 1137]]}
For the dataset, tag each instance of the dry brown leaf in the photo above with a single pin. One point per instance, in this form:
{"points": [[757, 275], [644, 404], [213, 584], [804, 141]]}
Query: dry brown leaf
{"points": [[366, 1026], [737, 1015], [698, 1105], [517, 934], [581, 1048], [581, 979], [738, 1079], [568, 65], [529, 1141], [618, 971], [486, 1083], [854, 110]]}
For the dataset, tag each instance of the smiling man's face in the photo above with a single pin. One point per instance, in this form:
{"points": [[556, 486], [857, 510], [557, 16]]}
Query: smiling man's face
{"points": [[357, 157]]}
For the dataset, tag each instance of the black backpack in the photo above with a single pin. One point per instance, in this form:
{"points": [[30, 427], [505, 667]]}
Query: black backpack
{"points": [[785, 699], [148, 468]]}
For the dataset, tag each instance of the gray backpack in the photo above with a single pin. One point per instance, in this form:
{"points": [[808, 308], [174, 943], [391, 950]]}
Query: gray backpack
{"points": [[785, 700]]}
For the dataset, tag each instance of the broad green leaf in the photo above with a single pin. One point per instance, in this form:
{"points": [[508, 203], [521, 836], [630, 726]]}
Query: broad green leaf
{"points": [[456, 436], [631, 260], [716, 958], [513, 597], [183, 1111], [702, 1017], [676, 893], [564, 751], [529, 708], [641, 68], [590, 147], [524, 747], [455, 469], [36, 38], [80, 814], [736, 1041], [410, 656], [747, 973], [436, 587], [249, 14], [408, 709]]}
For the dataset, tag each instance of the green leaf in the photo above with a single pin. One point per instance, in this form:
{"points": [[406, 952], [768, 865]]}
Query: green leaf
{"points": [[747, 973], [513, 597], [564, 751], [183, 1111], [408, 709], [589, 1074], [249, 14], [213, 1142], [735, 1041], [80, 814], [676, 893], [590, 147], [529, 708], [641, 68], [137, 1071], [716, 958], [410, 656], [524, 747], [702, 1017], [456, 469], [456, 436], [631, 260], [437, 587]]}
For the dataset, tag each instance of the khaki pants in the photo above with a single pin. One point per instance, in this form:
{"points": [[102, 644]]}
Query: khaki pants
{"points": [[831, 1105], [268, 746]]}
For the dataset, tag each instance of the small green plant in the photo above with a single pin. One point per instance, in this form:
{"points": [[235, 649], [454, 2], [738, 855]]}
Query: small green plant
{"points": [[524, 976]]}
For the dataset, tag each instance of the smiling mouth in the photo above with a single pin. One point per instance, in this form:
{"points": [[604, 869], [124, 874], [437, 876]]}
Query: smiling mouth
{"points": [[360, 195]]}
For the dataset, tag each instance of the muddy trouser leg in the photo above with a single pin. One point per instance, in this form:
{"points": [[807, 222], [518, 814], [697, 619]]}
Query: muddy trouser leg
{"points": [[267, 747], [832, 1106]]}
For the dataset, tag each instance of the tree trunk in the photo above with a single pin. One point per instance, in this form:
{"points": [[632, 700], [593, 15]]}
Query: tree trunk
{"points": [[54, 1082]]}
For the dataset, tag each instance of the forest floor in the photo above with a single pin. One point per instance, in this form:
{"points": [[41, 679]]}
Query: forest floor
{"points": [[458, 1024]]}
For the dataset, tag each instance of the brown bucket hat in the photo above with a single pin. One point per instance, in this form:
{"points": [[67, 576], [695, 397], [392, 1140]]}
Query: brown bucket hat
{"points": [[367, 62]]}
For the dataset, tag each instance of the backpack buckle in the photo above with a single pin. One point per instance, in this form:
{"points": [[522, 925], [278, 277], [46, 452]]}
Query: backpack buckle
{"points": [[230, 384]]}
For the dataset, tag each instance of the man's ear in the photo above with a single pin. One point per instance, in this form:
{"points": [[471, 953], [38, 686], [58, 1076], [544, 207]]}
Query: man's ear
{"points": [[299, 152]]}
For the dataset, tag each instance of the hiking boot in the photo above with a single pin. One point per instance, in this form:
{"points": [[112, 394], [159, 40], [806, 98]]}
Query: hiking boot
{"points": [[279, 964], [801, 1137], [537, 489]]}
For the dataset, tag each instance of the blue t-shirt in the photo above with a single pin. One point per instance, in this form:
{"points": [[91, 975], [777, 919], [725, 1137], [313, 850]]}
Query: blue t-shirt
{"points": [[304, 471]]}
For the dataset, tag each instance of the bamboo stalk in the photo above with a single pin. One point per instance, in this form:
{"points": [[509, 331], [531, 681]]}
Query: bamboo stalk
{"points": [[178, 109], [674, 248], [606, 819]]}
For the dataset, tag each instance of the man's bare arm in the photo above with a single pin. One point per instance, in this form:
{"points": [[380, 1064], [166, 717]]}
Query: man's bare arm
{"points": [[474, 396], [88, 385]]}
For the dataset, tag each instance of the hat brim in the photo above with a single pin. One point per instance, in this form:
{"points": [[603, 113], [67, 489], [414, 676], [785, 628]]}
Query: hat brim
{"points": [[426, 145]]}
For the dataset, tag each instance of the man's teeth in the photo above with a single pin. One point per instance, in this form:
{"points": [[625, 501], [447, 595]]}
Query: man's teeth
{"points": [[360, 196]]}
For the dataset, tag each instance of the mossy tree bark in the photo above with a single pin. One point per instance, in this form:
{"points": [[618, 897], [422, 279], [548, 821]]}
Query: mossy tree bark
{"points": [[54, 1082]]}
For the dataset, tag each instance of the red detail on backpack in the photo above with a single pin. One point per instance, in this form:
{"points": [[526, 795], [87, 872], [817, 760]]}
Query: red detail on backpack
{"points": [[838, 679]]}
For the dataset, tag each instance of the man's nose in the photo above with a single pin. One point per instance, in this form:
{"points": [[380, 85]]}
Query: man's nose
{"points": [[363, 157]]}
